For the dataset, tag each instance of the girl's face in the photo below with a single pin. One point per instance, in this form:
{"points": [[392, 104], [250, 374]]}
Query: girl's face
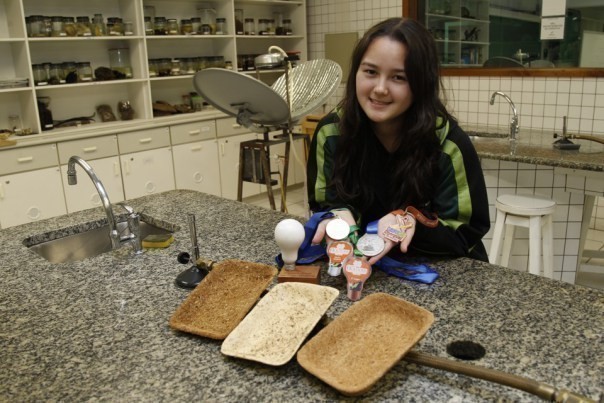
{"points": [[382, 88]]}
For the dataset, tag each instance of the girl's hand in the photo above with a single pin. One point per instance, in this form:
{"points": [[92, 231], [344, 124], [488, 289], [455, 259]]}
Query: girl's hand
{"points": [[346, 215], [392, 220]]}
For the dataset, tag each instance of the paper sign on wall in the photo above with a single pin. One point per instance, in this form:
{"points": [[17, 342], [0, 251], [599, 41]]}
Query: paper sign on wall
{"points": [[551, 8], [552, 28]]}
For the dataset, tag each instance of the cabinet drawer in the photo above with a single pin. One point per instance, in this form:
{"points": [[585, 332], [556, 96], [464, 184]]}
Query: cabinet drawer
{"points": [[89, 149], [228, 127], [144, 140], [189, 132], [28, 158]]}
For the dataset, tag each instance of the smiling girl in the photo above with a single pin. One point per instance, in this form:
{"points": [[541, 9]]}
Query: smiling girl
{"points": [[391, 153]]}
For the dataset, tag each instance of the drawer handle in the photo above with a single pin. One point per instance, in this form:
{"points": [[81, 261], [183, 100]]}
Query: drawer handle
{"points": [[236, 126], [89, 149], [196, 148], [25, 159], [194, 132], [145, 140]]}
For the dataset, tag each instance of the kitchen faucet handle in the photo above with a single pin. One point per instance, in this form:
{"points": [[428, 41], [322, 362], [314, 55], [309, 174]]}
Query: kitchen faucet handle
{"points": [[126, 207]]}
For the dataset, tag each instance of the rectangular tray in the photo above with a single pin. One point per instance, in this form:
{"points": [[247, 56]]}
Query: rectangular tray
{"points": [[355, 350], [217, 305], [277, 326]]}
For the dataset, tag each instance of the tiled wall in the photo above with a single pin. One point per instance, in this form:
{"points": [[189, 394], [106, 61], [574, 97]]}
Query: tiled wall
{"points": [[541, 103]]}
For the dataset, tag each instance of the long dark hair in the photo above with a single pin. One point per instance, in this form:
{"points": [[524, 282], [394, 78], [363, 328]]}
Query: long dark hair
{"points": [[416, 156]]}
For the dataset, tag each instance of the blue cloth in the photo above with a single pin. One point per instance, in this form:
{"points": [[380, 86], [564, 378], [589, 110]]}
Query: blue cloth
{"points": [[309, 253]]}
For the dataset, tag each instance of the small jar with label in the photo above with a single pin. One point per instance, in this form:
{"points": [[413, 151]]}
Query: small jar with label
{"points": [[36, 23], [270, 26], [98, 26], [160, 26], [163, 67], [195, 25], [148, 26], [57, 27], [228, 65], [172, 27], [40, 77], [186, 26], [70, 72], [69, 26], [84, 72], [83, 26], [56, 74], [262, 26], [175, 67], [287, 26], [249, 26], [206, 29], [152, 63], [221, 26], [115, 26], [128, 28]]}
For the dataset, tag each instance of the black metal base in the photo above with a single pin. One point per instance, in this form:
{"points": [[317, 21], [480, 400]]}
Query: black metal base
{"points": [[191, 277]]}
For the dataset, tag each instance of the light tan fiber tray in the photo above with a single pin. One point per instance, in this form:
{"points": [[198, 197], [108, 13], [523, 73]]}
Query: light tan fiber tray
{"points": [[217, 305], [277, 326], [355, 350]]}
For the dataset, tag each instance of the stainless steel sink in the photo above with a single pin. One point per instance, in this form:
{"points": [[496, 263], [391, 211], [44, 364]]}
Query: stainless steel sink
{"points": [[85, 243]]}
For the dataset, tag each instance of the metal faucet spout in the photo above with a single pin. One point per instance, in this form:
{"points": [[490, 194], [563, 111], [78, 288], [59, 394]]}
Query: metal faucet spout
{"points": [[514, 121], [72, 179]]}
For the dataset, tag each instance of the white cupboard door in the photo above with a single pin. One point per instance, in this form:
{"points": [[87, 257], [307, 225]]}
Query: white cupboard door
{"points": [[84, 194], [147, 172], [196, 166], [31, 196], [228, 151]]}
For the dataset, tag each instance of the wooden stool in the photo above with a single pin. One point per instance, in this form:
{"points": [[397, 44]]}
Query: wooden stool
{"points": [[530, 212]]}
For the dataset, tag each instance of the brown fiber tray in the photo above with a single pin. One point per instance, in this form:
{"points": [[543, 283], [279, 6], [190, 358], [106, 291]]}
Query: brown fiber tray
{"points": [[217, 305], [355, 350]]}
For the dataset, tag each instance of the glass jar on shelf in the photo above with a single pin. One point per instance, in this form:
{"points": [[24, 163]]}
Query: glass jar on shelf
{"points": [[239, 21], [47, 26], [115, 26], [172, 27], [186, 26], [36, 23], [195, 25], [160, 26], [56, 74], [263, 26], [249, 26], [84, 72], [287, 26], [69, 26], [187, 65], [175, 67], [40, 76], [208, 17], [58, 29], [70, 72], [119, 60], [221, 26], [148, 26], [206, 29], [128, 28], [278, 18], [98, 26], [83, 26], [152, 63], [270, 26], [163, 67]]}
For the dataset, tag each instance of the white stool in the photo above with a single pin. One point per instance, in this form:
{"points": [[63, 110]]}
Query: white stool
{"points": [[529, 212]]}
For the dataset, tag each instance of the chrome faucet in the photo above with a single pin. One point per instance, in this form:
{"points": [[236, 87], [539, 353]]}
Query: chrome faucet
{"points": [[514, 121], [133, 218]]}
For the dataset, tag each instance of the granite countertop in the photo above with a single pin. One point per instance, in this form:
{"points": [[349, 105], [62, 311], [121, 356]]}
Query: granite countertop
{"points": [[535, 147], [98, 329]]}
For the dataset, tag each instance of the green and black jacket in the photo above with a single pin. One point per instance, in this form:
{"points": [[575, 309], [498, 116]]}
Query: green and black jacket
{"points": [[461, 199]]}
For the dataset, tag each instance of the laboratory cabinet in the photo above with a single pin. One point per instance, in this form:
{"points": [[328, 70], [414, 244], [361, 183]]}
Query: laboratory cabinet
{"points": [[144, 83]]}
